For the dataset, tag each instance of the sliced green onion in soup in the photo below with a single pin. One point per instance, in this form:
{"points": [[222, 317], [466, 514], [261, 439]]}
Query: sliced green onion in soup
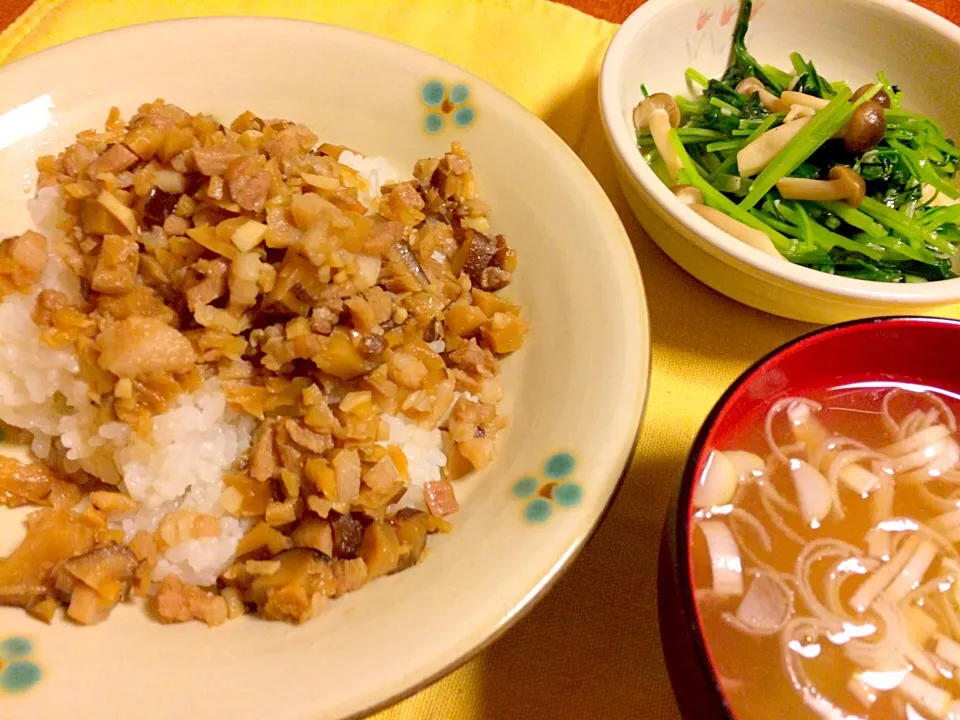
{"points": [[813, 492], [747, 465], [765, 608], [724, 554], [718, 482]]}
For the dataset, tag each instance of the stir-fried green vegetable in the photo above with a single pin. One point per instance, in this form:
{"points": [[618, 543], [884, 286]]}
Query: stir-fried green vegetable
{"points": [[850, 183]]}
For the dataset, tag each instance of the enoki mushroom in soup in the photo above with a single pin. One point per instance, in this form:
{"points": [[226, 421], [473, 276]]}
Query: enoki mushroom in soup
{"points": [[824, 545]]}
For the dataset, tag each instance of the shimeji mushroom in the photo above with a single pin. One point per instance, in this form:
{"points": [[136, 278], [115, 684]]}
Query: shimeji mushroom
{"points": [[693, 199], [844, 184], [799, 111], [771, 103], [868, 125], [687, 194], [881, 96], [866, 128], [757, 155], [932, 197], [790, 97], [659, 113]]}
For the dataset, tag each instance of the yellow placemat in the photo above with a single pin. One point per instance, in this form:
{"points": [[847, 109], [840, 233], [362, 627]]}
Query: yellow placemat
{"points": [[590, 650]]}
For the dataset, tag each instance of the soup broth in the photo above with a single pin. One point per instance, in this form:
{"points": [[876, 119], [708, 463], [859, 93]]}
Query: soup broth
{"points": [[824, 551]]}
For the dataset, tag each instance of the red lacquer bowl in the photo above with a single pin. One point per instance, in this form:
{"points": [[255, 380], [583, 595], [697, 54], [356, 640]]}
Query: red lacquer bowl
{"points": [[925, 351]]}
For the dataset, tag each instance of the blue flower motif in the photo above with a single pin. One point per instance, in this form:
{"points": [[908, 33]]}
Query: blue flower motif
{"points": [[559, 466], [17, 672], [538, 510], [445, 104], [568, 495], [557, 490], [525, 487], [433, 93]]}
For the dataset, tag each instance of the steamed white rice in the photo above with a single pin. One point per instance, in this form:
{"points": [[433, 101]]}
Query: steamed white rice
{"points": [[200, 562], [33, 374], [192, 445], [424, 452], [182, 466], [375, 172]]}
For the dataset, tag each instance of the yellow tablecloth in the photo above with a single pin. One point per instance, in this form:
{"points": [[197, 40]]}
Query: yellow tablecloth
{"points": [[590, 650]]}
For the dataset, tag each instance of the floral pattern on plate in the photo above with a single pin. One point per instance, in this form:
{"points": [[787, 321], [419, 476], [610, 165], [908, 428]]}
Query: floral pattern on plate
{"points": [[18, 672], [446, 105], [553, 489]]}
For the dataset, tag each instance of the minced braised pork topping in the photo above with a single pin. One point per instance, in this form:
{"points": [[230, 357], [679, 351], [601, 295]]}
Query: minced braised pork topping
{"points": [[246, 254]]}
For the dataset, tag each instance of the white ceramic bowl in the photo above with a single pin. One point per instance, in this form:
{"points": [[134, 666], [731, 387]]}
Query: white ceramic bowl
{"points": [[575, 393], [846, 39]]}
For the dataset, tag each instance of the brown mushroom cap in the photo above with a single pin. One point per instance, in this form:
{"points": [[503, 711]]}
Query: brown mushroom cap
{"points": [[850, 180], [880, 96], [657, 101], [100, 569], [687, 194], [866, 128]]}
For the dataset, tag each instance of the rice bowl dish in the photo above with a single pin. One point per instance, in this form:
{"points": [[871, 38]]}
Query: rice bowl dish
{"points": [[250, 367], [494, 566]]}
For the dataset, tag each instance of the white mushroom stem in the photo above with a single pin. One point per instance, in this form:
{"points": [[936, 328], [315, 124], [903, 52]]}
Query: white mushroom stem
{"points": [[799, 111], [806, 428], [752, 237], [844, 184], [790, 97], [945, 523], [944, 458], [770, 102], [931, 195], [658, 114], [757, 155], [660, 130]]}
